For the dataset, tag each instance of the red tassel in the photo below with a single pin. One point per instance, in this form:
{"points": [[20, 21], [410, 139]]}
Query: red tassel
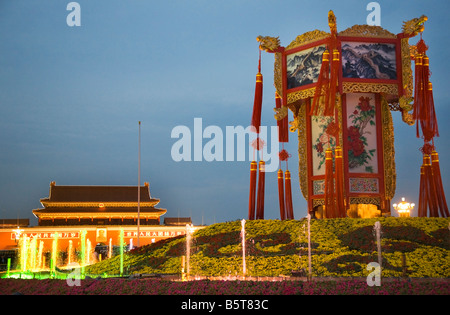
{"points": [[331, 103], [328, 79], [281, 194], [251, 202], [430, 201], [260, 199], [283, 124], [322, 87], [423, 194], [424, 112], [440, 194], [288, 192], [340, 205], [430, 129], [329, 185], [257, 105]]}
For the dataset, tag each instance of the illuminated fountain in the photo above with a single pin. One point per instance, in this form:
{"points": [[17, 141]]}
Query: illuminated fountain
{"points": [[189, 231], [54, 253], [8, 267], [29, 259], [33, 262], [88, 252], [121, 234], [70, 253], [244, 268], [23, 250], [83, 251], [40, 265], [110, 248]]}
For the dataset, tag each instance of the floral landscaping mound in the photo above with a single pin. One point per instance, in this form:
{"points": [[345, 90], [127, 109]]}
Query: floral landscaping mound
{"points": [[116, 286], [340, 248]]}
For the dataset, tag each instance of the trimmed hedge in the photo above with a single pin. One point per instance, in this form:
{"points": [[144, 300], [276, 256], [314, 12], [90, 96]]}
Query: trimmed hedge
{"points": [[340, 247]]}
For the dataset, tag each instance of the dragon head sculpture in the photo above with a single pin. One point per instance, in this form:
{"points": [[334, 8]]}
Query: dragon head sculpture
{"points": [[268, 43], [415, 26]]}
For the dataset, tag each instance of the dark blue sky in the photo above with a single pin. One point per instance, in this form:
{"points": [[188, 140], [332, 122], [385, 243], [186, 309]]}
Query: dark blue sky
{"points": [[71, 97]]}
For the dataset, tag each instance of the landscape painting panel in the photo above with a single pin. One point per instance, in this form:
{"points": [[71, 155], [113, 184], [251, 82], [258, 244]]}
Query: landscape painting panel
{"points": [[369, 60], [303, 67]]}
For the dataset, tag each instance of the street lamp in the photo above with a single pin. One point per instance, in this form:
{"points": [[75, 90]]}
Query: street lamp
{"points": [[404, 208]]}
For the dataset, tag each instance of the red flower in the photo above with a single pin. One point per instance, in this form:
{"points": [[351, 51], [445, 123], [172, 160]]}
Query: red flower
{"points": [[364, 104], [358, 148], [353, 133], [319, 147], [354, 141]]}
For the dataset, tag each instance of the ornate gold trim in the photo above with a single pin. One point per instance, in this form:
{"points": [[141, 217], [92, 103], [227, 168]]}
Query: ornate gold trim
{"points": [[318, 202], [365, 200], [278, 73], [307, 38], [300, 95], [302, 150], [359, 87], [407, 74], [390, 176], [367, 31]]}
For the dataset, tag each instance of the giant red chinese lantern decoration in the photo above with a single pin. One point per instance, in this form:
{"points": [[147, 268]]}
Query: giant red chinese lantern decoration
{"points": [[341, 88]]}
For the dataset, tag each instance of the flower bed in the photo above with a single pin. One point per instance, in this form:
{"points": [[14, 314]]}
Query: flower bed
{"points": [[340, 247], [120, 286]]}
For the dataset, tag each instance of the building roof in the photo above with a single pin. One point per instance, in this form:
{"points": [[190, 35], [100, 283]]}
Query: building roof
{"points": [[98, 201], [8, 223], [177, 221], [64, 194]]}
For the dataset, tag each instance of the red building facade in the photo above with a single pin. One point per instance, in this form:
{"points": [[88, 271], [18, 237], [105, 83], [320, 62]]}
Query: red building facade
{"points": [[99, 212]]}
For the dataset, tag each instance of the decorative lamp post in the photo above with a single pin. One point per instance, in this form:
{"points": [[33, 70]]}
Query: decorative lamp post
{"points": [[404, 208]]}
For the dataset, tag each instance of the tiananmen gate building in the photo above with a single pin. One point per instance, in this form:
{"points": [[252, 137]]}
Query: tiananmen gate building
{"points": [[100, 213]]}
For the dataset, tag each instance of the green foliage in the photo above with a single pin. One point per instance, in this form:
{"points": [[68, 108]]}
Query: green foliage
{"points": [[340, 247]]}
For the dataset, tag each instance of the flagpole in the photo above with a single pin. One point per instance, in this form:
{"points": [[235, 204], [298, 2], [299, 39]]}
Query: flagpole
{"points": [[139, 186]]}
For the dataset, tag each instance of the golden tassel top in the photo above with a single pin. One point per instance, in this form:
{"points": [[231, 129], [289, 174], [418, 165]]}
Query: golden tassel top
{"points": [[259, 77], [335, 55], [326, 56], [426, 160], [328, 154], [280, 174], [418, 59], [338, 152], [434, 156], [262, 166], [288, 175]]}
